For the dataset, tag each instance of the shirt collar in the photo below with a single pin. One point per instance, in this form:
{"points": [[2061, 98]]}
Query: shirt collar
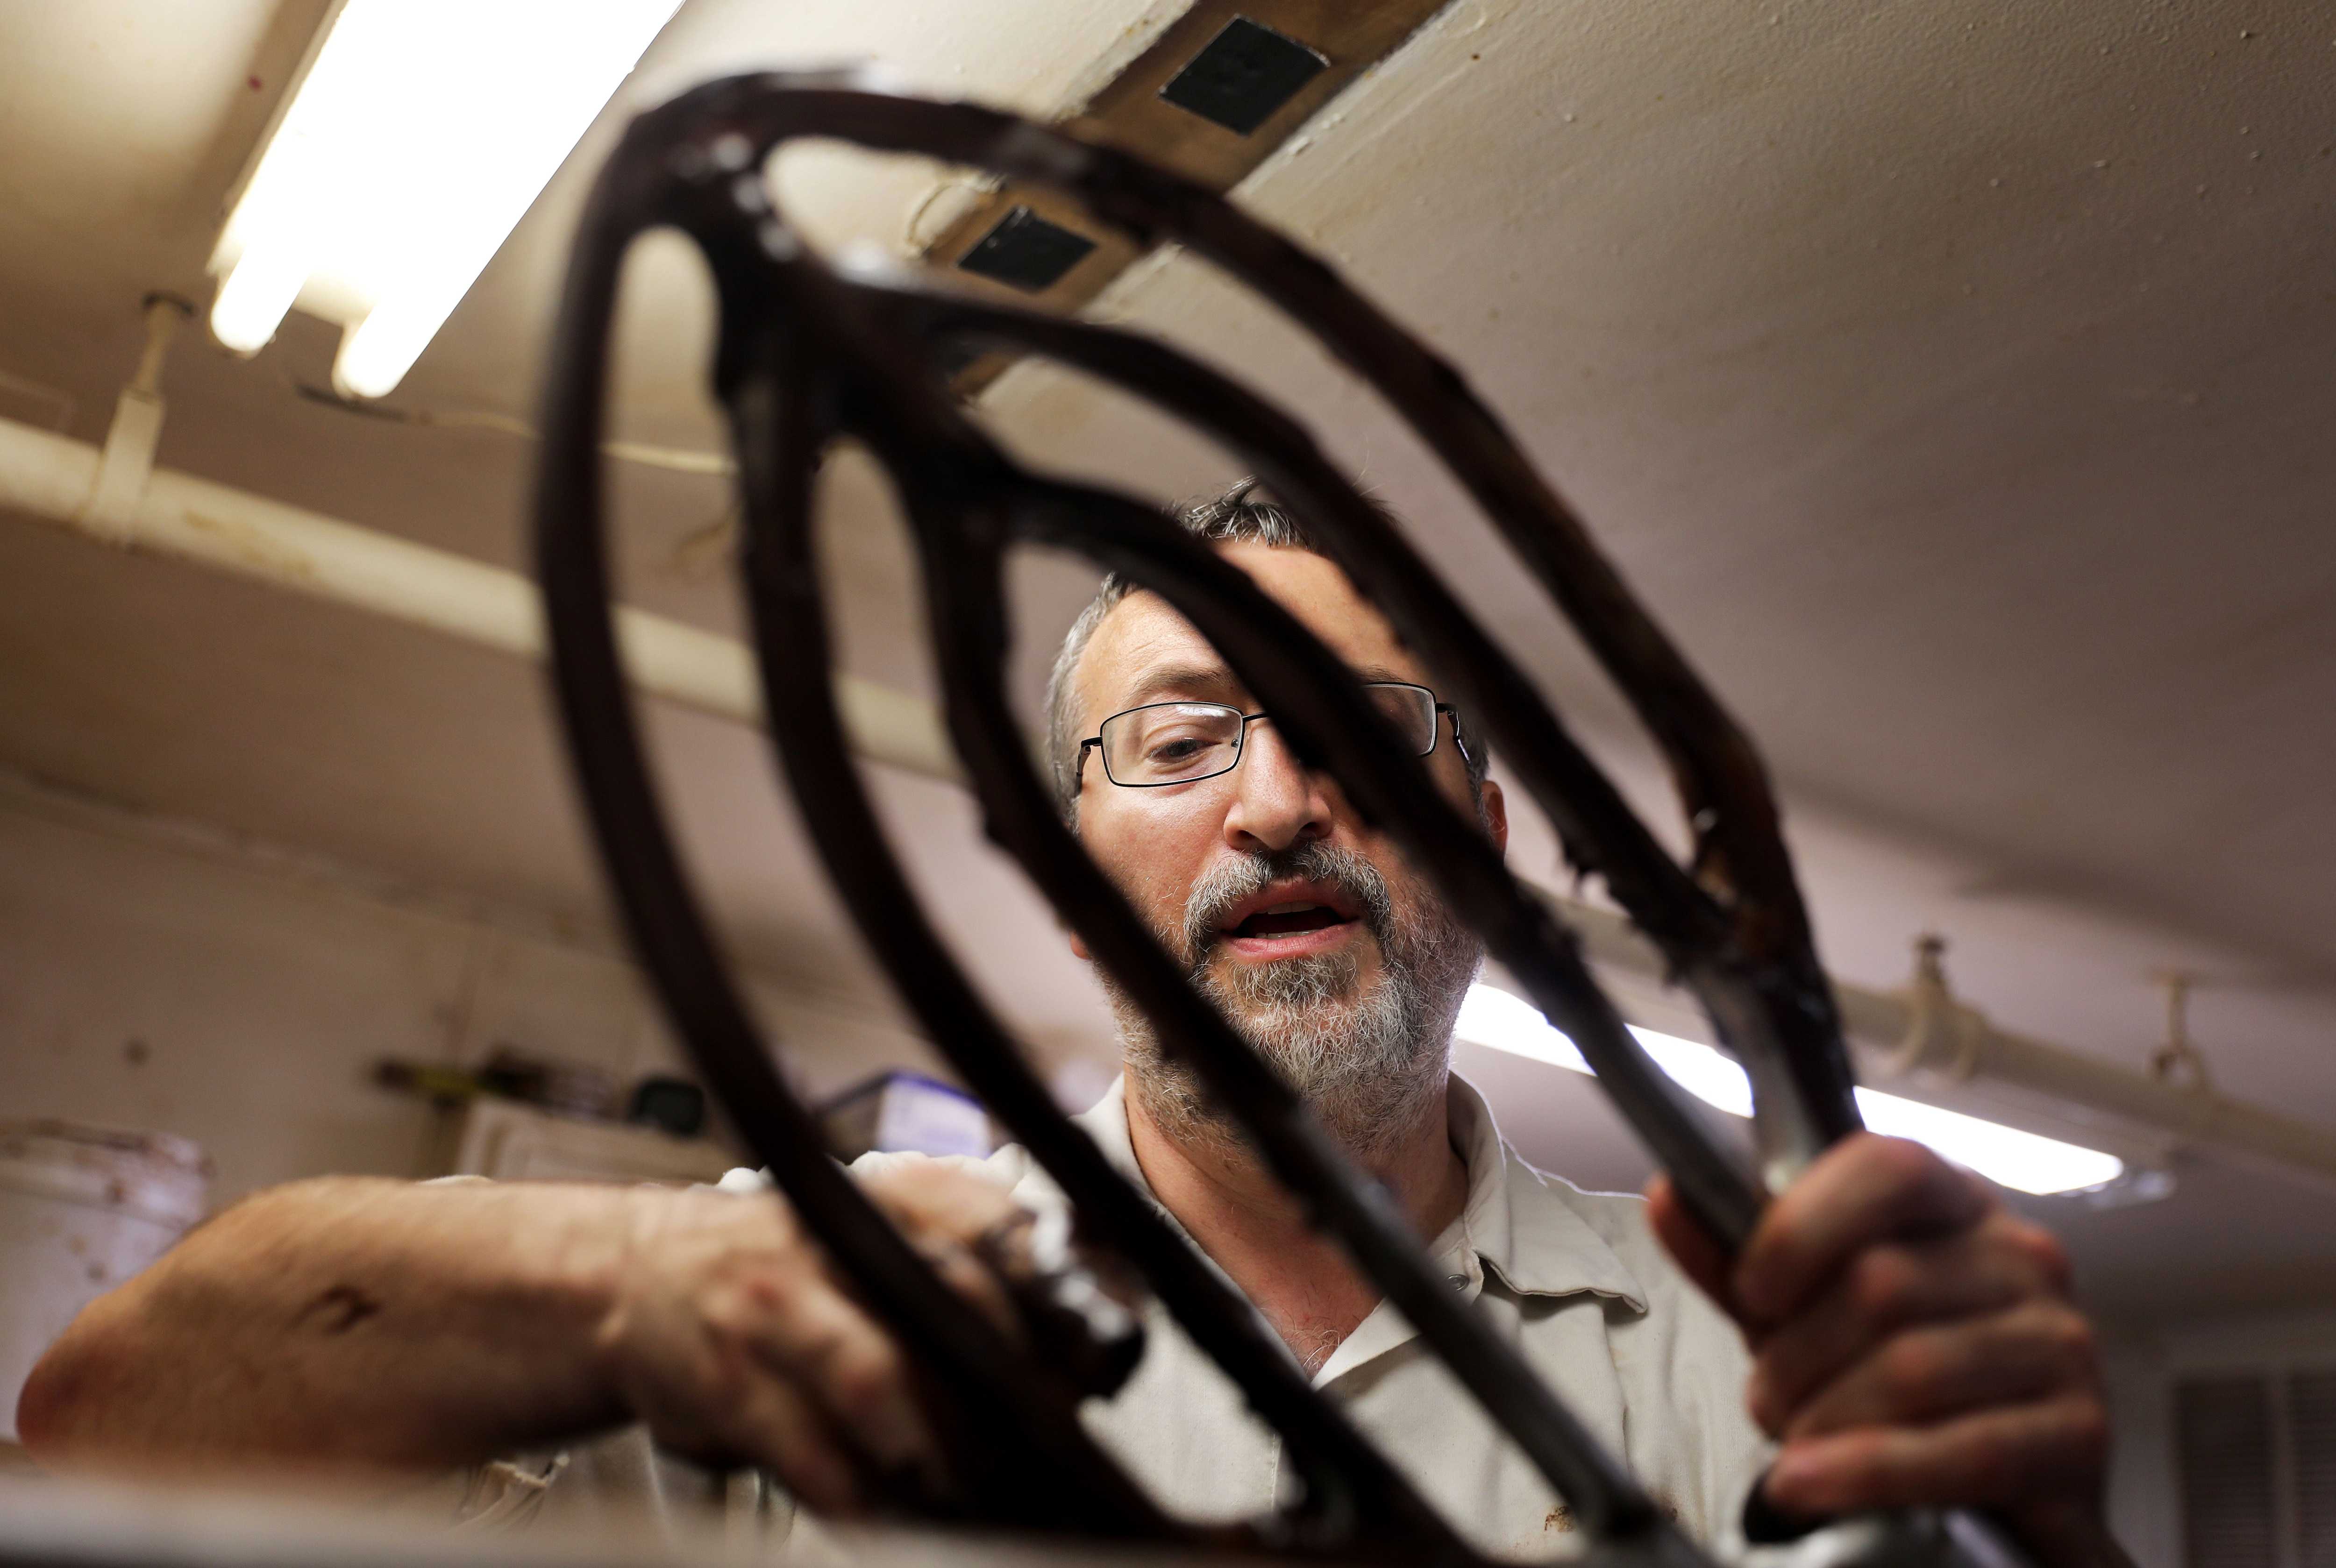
{"points": [[1106, 1121], [1520, 1221]]}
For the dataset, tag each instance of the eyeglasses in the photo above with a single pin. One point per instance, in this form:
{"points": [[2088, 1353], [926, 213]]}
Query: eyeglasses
{"points": [[1164, 743]]}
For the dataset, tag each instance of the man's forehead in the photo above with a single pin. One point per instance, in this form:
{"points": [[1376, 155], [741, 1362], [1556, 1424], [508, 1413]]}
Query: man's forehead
{"points": [[1145, 641]]}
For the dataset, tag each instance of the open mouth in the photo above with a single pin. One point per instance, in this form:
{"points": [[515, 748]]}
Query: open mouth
{"points": [[1290, 917], [1285, 921]]}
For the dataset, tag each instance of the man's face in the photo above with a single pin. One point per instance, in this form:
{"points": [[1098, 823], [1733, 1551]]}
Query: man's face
{"points": [[1309, 932]]}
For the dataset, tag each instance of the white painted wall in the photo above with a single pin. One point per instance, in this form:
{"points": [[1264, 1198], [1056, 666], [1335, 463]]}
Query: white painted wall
{"points": [[148, 980]]}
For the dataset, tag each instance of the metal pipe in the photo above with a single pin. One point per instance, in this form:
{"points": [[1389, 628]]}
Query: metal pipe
{"points": [[55, 478], [1925, 1028]]}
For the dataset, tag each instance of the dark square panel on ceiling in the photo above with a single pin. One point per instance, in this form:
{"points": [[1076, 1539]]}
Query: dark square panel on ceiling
{"points": [[1246, 72], [1027, 251]]}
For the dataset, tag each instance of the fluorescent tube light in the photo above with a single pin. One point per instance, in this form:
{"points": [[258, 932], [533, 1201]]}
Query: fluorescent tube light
{"points": [[419, 137], [2005, 1156]]}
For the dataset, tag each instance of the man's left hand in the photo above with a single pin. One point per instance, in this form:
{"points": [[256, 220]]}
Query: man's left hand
{"points": [[1914, 1344]]}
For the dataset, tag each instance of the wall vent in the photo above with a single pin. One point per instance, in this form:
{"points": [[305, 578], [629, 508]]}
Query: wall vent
{"points": [[1027, 251], [1247, 72], [2257, 1452], [1210, 97]]}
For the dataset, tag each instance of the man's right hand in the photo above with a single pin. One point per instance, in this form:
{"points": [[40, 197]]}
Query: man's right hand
{"points": [[733, 1337]]}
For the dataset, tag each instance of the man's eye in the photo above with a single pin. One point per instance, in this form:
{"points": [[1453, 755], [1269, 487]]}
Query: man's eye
{"points": [[1179, 748]]}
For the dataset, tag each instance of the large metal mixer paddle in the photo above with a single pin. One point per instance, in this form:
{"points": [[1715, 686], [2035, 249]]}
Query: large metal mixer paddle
{"points": [[808, 356]]}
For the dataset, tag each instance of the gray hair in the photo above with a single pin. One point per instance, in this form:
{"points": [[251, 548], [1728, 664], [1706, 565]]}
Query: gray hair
{"points": [[1243, 515]]}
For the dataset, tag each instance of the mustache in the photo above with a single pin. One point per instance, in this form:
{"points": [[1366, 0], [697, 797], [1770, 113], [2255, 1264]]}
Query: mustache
{"points": [[1230, 881]]}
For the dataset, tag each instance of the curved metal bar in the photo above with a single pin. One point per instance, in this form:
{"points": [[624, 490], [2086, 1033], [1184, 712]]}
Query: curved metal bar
{"points": [[1042, 1470], [1735, 927]]}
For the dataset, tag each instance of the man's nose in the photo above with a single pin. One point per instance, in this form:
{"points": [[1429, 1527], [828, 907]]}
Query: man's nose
{"points": [[1276, 803]]}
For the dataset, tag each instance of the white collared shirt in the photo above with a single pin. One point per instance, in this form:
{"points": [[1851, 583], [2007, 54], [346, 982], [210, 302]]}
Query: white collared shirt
{"points": [[1575, 1280]]}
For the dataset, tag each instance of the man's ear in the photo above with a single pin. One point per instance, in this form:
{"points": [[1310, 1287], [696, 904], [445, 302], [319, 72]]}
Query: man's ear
{"points": [[1497, 814]]}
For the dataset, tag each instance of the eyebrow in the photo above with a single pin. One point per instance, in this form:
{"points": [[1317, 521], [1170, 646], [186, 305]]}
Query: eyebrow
{"points": [[1215, 683], [1204, 681]]}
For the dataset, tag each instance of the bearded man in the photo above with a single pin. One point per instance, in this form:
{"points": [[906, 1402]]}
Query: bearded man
{"points": [[1890, 1336]]}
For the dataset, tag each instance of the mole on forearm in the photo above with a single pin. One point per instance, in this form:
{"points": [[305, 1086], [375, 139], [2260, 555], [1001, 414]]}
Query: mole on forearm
{"points": [[338, 1310]]}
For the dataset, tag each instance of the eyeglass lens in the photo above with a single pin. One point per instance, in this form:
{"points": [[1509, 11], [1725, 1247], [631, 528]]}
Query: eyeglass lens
{"points": [[1178, 742]]}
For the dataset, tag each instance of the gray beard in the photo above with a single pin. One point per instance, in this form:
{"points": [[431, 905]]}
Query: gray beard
{"points": [[1368, 1061]]}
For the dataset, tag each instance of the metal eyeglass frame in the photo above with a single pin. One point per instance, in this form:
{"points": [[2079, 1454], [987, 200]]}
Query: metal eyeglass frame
{"points": [[1241, 739], [808, 356]]}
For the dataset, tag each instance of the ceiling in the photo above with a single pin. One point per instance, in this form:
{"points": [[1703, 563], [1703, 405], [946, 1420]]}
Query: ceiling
{"points": [[1951, 380]]}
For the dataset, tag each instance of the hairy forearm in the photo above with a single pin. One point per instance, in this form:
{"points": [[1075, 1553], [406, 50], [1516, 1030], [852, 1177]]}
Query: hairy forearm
{"points": [[350, 1322]]}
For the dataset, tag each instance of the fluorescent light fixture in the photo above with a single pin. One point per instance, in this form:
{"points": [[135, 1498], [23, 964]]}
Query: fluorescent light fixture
{"points": [[420, 135], [2005, 1156]]}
